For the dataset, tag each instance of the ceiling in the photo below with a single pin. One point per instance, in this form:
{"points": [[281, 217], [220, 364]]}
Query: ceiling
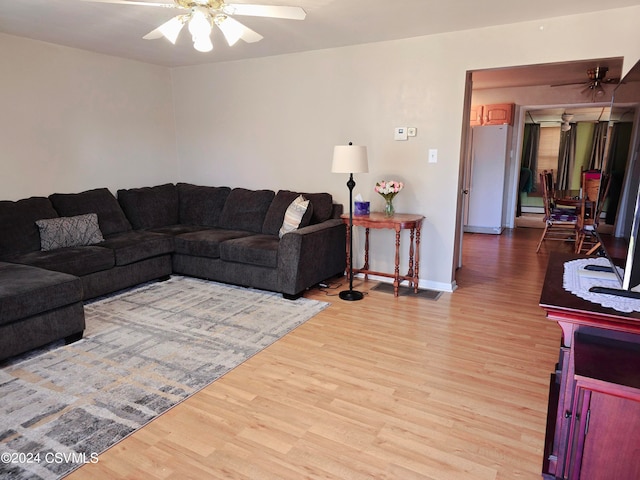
{"points": [[550, 74], [568, 74], [117, 29]]}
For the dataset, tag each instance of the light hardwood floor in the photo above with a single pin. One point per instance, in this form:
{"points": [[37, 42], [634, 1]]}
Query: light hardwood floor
{"points": [[385, 388]]}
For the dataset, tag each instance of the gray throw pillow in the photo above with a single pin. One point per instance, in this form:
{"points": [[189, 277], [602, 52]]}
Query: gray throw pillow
{"points": [[69, 231]]}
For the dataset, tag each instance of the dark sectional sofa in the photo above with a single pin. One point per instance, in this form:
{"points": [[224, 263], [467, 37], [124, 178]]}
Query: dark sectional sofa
{"points": [[57, 252]]}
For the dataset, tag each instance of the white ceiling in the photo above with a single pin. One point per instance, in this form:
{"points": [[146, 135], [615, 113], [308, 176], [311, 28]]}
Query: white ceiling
{"points": [[117, 29]]}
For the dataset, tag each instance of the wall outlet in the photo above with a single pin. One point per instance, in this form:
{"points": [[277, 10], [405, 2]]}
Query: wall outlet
{"points": [[412, 131]]}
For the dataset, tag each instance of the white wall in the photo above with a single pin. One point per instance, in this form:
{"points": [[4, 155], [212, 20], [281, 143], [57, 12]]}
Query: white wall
{"points": [[272, 122], [74, 120]]}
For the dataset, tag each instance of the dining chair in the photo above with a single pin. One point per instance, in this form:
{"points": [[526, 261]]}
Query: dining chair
{"points": [[559, 222], [590, 211]]}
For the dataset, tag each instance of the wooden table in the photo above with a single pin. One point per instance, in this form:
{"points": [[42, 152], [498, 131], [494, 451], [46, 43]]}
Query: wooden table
{"points": [[571, 198], [397, 222], [595, 387]]}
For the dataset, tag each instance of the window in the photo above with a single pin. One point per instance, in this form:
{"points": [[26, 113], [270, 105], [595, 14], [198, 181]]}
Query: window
{"points": [[548, 150]]}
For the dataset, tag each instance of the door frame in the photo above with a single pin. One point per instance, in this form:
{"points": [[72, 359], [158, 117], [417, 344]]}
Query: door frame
{"points": [[463, 174]]}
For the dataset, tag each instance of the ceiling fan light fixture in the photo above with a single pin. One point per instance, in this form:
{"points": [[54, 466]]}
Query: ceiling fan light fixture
{"points": [[200, 23], [203, 14], [200, 26], [566, 119], [231, 29], [203, 44]]}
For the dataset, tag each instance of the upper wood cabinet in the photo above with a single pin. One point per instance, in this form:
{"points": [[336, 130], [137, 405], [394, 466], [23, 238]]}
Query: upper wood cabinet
{"points": [[496, 114]]}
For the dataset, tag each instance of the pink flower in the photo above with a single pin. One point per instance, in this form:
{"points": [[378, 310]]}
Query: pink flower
{"points": [[388, 188]]}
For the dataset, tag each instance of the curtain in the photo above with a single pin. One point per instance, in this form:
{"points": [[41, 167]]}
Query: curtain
{"points": [[529, 160], [613, 147], [596, 162], [616, 164], [566, 158]]}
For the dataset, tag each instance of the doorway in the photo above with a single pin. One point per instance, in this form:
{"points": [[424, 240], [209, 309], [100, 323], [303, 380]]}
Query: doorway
{"points": [[532, 86]]}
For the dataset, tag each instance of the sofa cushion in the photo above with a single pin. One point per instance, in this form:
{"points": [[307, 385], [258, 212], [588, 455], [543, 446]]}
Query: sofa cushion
{"points": [[275, 215], [150, 207], [100, 201], [177, 229], [259, 250], [27, 291], [201, 205], [205, 243], [69, 231], [322, 206], [246, 209], [18, 230], [73, 260], [131, 247]]}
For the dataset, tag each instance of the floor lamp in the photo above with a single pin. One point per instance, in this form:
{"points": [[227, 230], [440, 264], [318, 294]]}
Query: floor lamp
{"points": [[350, 159]]}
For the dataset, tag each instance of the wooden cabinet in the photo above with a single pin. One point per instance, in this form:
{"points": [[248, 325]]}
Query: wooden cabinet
{"points": [[593, 421], [604, 439], [496, 114], [475, 119]]}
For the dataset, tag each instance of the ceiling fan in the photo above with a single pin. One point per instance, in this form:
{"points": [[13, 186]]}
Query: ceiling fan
{"points": [[595, 85], [201, 15]]}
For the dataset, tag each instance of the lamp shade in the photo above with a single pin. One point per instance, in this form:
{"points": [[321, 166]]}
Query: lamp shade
{"points": [[350, 159]]}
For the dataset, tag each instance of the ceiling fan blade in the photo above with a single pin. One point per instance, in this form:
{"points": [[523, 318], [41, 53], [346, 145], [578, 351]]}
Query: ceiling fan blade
{"points": [[274, 11], [234, 30], [131, 2], [568, 83], [170, 30]]}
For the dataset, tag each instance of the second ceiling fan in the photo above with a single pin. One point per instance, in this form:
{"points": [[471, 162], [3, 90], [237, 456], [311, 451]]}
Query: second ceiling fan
{"points": [[202, 15], [594, 87]]}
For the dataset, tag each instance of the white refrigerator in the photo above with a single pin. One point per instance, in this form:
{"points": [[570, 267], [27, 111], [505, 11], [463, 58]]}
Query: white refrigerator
{"points": [[487, 172]]}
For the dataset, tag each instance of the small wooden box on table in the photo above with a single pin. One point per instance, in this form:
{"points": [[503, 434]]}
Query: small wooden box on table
{"points": [[593, 422], [397, 222]]}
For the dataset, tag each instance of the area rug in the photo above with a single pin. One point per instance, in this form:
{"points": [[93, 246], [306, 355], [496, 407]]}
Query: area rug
{"points": [[144, 351]]}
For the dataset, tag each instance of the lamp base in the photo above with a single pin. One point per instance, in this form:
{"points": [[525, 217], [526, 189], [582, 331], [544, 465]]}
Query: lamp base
{"points": [[351, 295]]}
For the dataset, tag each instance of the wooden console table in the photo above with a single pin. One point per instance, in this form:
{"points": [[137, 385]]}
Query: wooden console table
{"points": [[397, 222], [593, 420]]}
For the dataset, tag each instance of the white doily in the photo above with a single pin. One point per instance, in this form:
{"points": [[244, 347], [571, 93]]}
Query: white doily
{"points": [[577, 282]]}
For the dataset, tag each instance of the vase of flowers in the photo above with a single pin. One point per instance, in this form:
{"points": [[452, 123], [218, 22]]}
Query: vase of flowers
{"points": [[388, 189]]}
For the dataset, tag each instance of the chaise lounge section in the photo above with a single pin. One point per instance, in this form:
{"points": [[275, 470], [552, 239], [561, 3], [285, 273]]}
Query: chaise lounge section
{"points": [[101, 244]]}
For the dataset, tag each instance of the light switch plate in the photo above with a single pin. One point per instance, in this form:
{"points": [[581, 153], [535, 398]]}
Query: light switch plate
{"points": [[433, 155], [412, 131], [400, 133]]}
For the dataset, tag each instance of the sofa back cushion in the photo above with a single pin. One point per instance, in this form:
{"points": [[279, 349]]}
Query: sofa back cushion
{"points": [[201, 205], [322, 206], [275, 215], [150, 207], [246, 209], [18, 230], [100, 201]]}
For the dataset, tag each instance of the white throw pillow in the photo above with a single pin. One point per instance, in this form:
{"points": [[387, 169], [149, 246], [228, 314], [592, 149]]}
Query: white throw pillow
{"points": [[293, 215]]}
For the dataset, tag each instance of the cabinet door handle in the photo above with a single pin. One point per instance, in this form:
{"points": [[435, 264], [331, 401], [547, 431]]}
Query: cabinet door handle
{"points": [[586, 423]]}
